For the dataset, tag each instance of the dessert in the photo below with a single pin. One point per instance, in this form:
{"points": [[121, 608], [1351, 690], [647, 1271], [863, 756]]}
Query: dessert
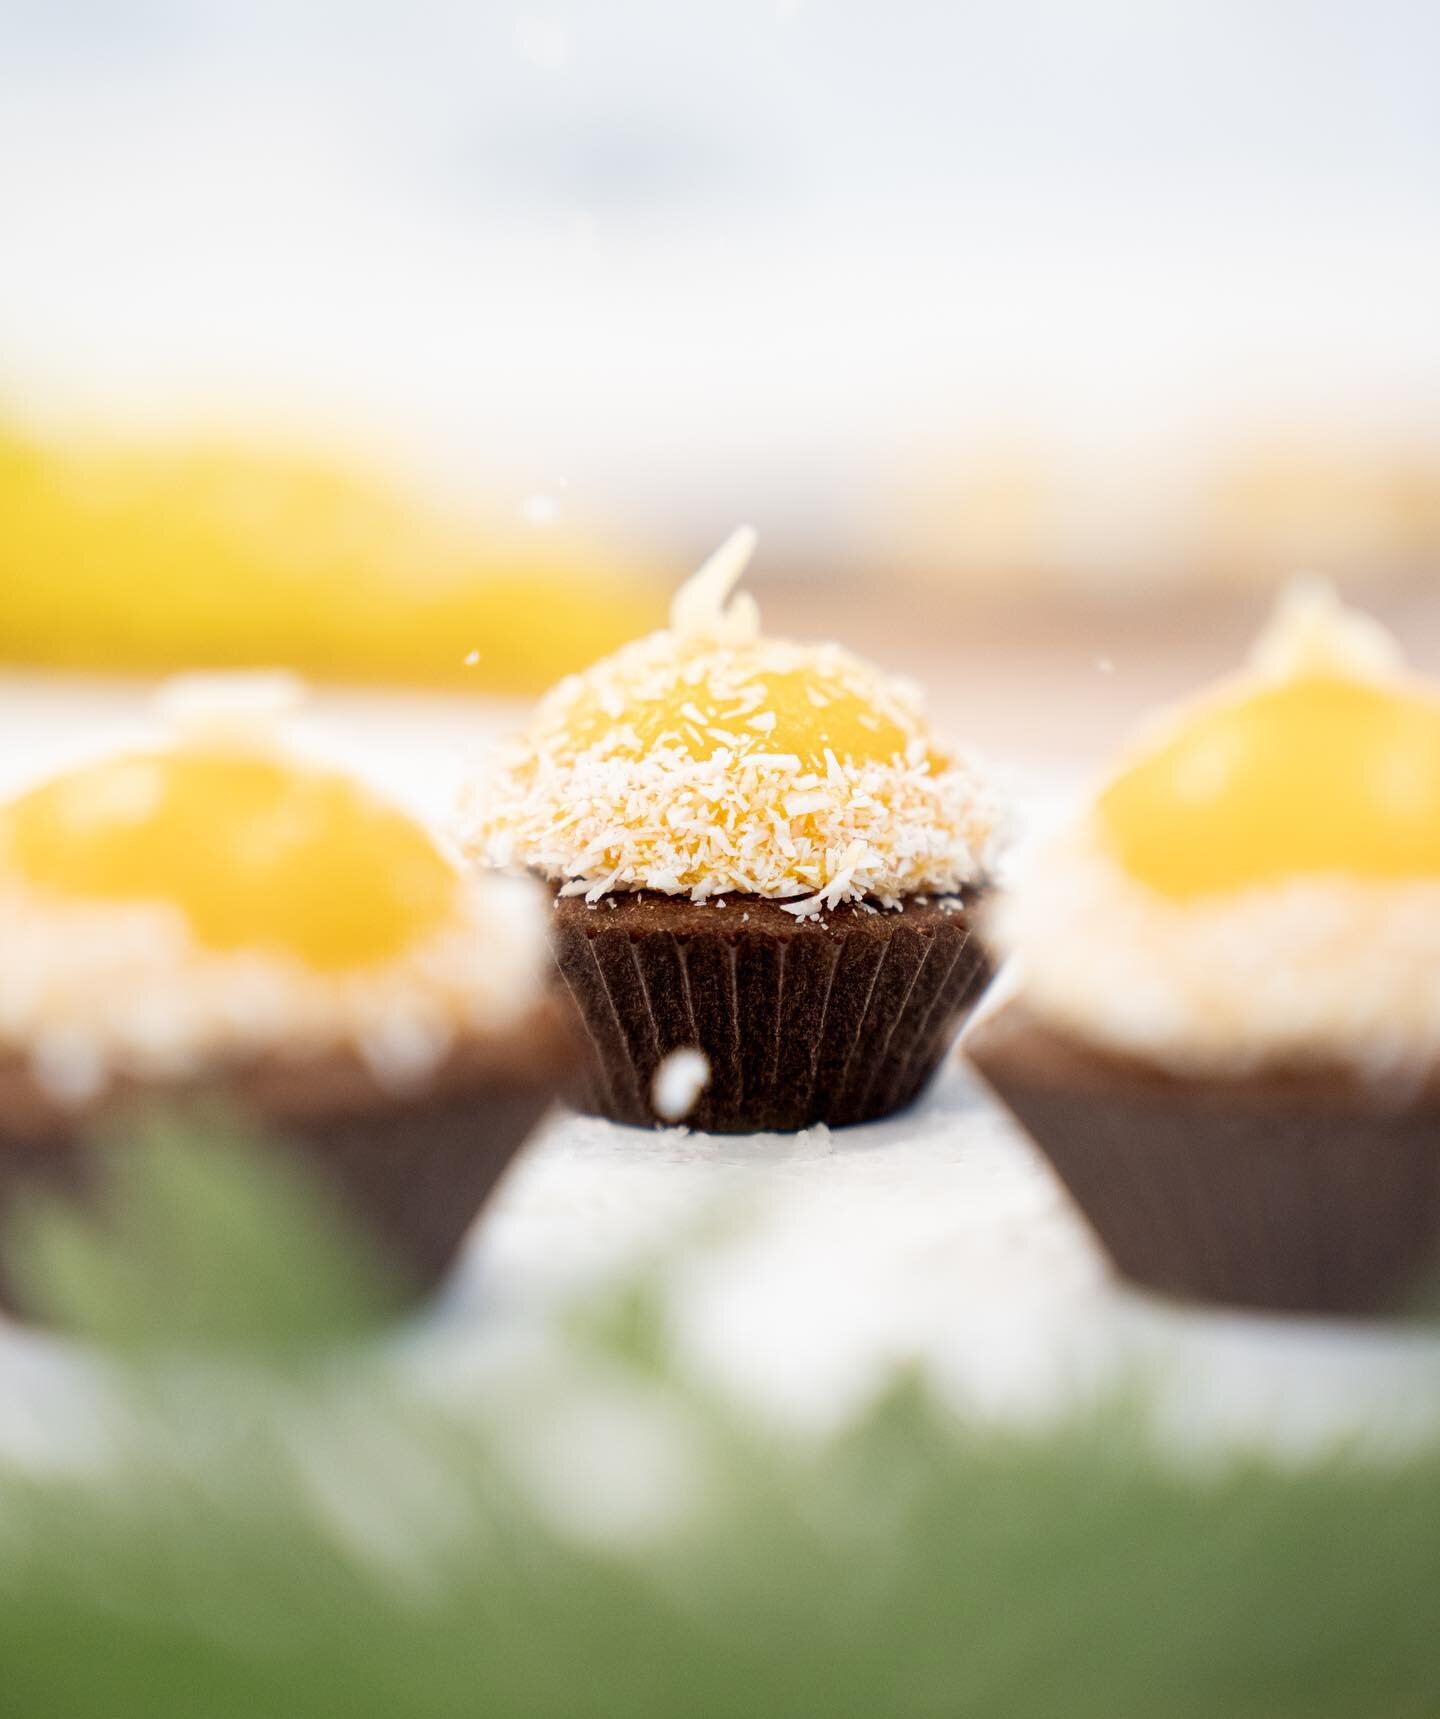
{"points": [[1225, 1027], [757, 849], [216, 918]]}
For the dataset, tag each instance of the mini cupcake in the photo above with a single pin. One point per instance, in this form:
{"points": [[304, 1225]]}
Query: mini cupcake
{"points": [[757, 850], [1225, 1027], [215, 919]]}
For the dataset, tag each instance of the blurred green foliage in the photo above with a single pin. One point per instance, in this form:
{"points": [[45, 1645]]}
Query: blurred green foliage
{"points": [[594, 1533], [219, 1245]]}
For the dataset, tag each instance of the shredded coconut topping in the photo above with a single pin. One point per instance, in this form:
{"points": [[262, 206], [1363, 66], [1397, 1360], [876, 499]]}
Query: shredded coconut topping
{"points": [[97, 988], [1329, 969], [705, 760]]}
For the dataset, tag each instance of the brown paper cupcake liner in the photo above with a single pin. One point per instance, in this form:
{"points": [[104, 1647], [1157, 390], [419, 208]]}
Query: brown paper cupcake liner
{"points": [[1302, 1190], [839, 1021], [410, 1172]]}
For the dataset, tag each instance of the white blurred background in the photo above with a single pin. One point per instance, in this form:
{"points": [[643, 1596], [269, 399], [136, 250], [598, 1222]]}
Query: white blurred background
{"points": [[1106, 295]]}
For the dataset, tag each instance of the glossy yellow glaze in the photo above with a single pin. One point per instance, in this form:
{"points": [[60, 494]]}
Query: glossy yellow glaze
{"points": [[810, 714], [258, 852], [1317, 775]]}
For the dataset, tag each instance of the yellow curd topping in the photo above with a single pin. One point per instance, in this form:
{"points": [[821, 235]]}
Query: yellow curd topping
{"points": [[715, 686], [257, 851], [1326, 762], [706, 758], [733, 701]]}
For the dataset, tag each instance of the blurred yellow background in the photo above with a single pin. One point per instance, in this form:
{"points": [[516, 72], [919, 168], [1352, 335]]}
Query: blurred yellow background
{"points": [[149, 557], [361, 341]]}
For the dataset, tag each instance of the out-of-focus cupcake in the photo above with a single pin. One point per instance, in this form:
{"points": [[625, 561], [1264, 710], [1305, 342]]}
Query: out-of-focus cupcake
{"points": [[1225, 1027], [217, 920], [757, 849]]}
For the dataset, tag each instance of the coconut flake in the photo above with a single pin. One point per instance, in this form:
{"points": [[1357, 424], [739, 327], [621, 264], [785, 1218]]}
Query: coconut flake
{"points": [[678, 1083], [703, 607], [1313, 632]]}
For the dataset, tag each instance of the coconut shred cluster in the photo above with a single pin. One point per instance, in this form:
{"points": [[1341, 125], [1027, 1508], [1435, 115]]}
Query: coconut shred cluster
{"points": [[706, 760]]}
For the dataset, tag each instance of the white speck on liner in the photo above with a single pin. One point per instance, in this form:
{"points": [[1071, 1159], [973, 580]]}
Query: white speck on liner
{"points": [[678, 1083]]}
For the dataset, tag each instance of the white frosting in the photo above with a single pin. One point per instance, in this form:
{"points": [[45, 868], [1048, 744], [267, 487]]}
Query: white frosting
{"points": [[95, 988], [1315, 969]]}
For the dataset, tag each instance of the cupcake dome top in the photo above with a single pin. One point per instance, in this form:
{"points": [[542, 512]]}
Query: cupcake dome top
{"points": [[1325, 761], [255, 850], [707, 759], [1259, 884], [220, 899]]}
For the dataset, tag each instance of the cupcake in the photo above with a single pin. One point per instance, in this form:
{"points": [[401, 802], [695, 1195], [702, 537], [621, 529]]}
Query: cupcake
{"points": [[216, 919], [1224, 1030], [758, 851]]}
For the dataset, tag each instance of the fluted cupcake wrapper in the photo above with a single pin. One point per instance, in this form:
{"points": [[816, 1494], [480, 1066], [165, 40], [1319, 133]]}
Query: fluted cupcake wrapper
{"points": [[416, 1182], [410, 1174], [835, 1022], [1298, 1191]]}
